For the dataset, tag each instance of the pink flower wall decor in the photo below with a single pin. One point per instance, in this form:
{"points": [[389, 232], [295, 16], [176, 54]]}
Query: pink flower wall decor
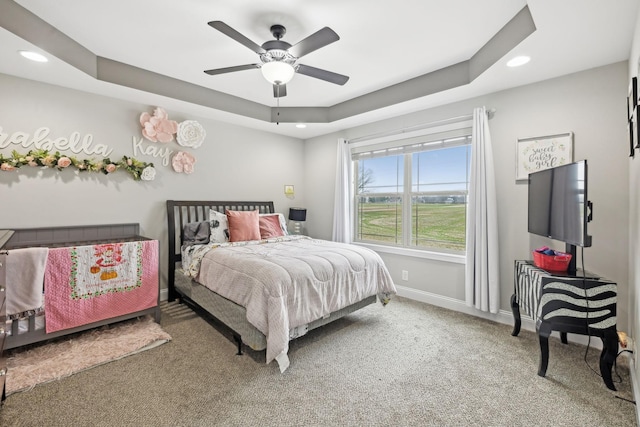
{"points": [[158, 128], [183, 162]]}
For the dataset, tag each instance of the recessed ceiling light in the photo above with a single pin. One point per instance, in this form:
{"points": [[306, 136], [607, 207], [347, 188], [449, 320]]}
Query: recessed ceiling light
{"points": [[34, 56], [518, 61], [301, 126]]}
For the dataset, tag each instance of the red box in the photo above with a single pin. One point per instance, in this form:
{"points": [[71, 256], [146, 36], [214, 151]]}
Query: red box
{"points": [[558, 262]]}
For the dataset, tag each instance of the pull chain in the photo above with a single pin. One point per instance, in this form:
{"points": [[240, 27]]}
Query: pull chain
{"points": [[278, 104]]}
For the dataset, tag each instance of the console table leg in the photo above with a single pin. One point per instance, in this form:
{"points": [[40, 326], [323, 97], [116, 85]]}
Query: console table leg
{"points": [[608, 356], [544, 331], [563, 338], [515, 308]]}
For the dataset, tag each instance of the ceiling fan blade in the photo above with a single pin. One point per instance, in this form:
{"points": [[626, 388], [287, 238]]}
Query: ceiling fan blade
{"points": [[318, 73], [231, 69], [315, 41], [228, 31], [279, 91]]}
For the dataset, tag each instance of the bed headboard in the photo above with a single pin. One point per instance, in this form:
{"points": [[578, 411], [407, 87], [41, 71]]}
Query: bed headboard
{"points": [[181, 212]]}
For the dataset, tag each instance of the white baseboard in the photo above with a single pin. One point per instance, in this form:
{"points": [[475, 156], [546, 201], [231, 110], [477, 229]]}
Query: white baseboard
{"points": [[164, 294], [503, 316], [456, 305], [634, 382]]}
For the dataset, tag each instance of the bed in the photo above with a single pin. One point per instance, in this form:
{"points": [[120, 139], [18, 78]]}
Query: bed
{"points": [[27, 322], [270, 289]]}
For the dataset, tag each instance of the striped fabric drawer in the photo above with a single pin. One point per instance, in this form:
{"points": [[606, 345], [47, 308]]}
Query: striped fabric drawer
{"points": [[527, 287], [544, 296]]}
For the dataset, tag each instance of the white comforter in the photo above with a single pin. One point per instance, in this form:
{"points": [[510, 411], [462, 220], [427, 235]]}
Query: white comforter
{"points": [[289, 281]]}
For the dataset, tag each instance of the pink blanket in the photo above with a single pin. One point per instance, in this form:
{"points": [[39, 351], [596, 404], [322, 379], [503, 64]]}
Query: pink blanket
{"points": [[85, 284]]}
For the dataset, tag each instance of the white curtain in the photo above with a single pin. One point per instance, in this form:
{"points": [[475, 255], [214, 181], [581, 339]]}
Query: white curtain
{"points": [[482, 284], [342, 203]]}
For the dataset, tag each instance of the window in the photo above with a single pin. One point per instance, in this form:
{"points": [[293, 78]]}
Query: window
{"points": [[413, 193]]}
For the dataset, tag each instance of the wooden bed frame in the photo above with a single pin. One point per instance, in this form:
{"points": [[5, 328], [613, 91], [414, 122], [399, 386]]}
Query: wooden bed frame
{"points": [[222, 310], [70, 236]]}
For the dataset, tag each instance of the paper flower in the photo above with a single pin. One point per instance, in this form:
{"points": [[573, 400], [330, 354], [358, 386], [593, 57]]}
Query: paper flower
{"points": [[183, 162], [190, 134], [158, 128], [148, 174]]}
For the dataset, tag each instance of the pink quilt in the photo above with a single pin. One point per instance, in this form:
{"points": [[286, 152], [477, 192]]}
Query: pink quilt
{"points": [[85, 284]]}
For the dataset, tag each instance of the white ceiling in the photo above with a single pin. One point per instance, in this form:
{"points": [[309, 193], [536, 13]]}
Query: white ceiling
{"points": [[378, 47]]}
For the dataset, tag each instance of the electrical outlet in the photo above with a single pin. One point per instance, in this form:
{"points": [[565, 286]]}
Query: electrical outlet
{"points": [[405, 275]]}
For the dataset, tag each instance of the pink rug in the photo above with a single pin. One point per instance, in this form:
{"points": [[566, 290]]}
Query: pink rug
{"points": [[63, 358]]}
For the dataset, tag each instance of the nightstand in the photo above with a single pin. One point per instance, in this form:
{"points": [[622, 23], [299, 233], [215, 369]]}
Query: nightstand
{"points": [[575, 304]]}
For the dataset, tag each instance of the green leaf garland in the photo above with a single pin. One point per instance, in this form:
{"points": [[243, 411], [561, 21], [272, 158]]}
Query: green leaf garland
{"points": [[43, 158]]}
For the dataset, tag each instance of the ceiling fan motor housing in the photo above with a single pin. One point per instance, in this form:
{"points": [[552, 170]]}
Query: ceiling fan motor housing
{"points": [[276, 44], [277, 50]]}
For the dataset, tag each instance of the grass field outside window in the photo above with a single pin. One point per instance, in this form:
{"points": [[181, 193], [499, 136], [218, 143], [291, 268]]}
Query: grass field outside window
{"points": [[433, 225]]}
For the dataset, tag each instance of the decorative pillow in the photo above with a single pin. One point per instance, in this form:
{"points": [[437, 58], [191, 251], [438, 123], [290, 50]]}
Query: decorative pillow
{"points": [[281, 219], [196, 233], [219, 227], [243, 225], [270, 226]]}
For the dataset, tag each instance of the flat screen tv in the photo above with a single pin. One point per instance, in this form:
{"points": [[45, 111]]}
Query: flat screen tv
{"points": [[559, 208]]}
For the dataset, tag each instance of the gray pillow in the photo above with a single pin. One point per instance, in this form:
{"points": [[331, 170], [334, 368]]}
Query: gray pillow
{"points": [[196, 233]]}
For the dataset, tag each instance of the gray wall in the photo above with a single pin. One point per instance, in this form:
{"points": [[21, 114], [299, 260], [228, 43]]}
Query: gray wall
{"points": [[634, 215], [234, 163], [590, 104], [240, 163]]}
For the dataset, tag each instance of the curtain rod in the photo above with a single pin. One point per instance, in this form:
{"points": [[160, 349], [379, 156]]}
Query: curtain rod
{"points": [[490, 113]]}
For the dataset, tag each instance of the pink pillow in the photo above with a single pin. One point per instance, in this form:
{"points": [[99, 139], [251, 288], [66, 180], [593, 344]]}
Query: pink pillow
{"points": [[270, 227], [243, 225]]}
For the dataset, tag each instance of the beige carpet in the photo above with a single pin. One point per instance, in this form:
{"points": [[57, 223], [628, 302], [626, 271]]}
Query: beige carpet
{"points": [[408, 364], [79, 352]]}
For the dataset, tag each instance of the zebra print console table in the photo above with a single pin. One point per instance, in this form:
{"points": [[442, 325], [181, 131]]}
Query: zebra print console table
{"points": [[583, 305]]}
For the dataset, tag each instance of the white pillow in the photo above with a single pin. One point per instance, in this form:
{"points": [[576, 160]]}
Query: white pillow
{"points": [[283, 222], [219, 227]]}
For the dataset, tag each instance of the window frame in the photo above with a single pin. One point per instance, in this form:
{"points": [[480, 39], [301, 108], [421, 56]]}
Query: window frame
{"points": [[397, 140]]}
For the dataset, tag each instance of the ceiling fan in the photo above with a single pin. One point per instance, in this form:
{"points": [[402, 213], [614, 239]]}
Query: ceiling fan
{"points": [[278, 59]]}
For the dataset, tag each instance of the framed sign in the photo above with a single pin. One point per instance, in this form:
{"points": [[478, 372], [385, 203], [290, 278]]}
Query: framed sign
{"points": [[543, 152]]}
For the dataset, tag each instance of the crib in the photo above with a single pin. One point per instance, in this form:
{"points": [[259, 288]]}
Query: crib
{"points": [[30, 327]]}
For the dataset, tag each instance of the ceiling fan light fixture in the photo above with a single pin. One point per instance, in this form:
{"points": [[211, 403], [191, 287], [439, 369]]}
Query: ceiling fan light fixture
{"points": [[277, 72]]}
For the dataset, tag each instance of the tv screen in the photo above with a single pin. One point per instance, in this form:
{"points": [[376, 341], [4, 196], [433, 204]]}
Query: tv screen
{"points": [[558, 204]]}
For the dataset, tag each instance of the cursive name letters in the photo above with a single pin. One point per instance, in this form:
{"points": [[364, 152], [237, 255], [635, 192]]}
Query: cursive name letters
{"points": [[41, 141], [152, 150]]}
